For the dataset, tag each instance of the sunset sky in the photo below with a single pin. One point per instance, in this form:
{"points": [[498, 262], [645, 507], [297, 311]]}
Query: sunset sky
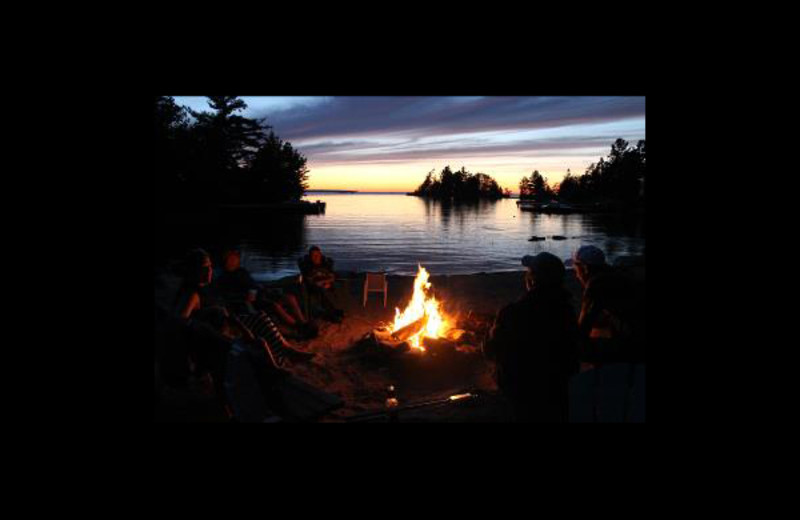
{"points": [[391, 143]]}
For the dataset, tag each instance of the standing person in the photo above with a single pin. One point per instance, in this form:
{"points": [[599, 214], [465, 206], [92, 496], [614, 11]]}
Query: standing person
{"points": [[611, 320], [318, 279], [534, 342]]}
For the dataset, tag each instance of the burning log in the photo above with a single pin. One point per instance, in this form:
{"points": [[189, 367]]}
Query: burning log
{"points": [[457, 335], [440, 344], [383, 338], [412, 329]]}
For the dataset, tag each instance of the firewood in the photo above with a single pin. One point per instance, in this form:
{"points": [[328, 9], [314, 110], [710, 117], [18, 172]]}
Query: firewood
{"points": [[455, 334], [384, 340], [411, 329], [439, 344]]}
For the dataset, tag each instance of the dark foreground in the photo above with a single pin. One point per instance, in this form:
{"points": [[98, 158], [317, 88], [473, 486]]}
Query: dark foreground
{"points": [[361, 380]]}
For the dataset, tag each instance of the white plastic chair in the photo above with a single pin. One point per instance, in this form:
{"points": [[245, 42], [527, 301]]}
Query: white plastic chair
{"points": [[376, 282]]}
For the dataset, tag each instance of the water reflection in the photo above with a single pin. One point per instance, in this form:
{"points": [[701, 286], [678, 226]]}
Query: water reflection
{"points": [[268, 241], [393, 232]]}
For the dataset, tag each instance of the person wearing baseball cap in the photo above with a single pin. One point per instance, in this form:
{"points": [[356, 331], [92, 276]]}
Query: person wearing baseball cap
{"points": [[534, 344], [588, 261], [544, 270], [611, 320]]}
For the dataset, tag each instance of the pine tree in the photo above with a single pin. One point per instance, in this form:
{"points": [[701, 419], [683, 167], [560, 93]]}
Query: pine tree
{"points": [[278, 172]]}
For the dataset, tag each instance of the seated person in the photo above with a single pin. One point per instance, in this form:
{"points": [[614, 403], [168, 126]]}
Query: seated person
{"points": [[199, 335], [534, 343], [241, 293], [611, 320], [234, 285], [284, 306], [213, 328], [318, 278]]}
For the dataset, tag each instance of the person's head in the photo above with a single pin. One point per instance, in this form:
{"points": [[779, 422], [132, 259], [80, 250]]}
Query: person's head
{"points": [[315, 253], [544, 270], [588, 261], [231, 260], [197, 267]]}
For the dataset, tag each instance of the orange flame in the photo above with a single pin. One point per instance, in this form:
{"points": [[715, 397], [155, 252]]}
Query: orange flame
{"points": [[421, 305]]}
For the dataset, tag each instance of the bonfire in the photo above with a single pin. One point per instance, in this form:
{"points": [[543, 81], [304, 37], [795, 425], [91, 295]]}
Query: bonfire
{"points": [[422, 317]]}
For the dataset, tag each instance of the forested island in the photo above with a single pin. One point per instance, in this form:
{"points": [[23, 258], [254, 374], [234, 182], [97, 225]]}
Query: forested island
{"points": [[460, 185], [614, 181]]}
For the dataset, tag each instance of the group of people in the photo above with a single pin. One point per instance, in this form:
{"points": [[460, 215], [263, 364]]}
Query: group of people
{"points": [[540, 342], [211, 312]]}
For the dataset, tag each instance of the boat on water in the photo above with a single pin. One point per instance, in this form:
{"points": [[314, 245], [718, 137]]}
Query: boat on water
{"points": [[546, 207], [558, 207], [529, 205], [294, 206]]}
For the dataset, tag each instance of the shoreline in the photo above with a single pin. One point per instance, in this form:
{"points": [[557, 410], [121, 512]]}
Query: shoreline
{"points": [[361, 384]]}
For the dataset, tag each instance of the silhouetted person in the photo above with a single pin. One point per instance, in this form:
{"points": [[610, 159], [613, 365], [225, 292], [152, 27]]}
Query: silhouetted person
{"points": [[318, 279], [611, 320], [534, 342], [243, 295], [211, 328], [234, 285], [317, 269], [203, 332]]}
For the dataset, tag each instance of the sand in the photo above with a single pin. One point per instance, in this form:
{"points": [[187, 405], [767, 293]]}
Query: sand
{"points": [[362, 382]]}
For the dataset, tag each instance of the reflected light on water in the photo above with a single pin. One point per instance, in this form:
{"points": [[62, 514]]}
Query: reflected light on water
{"points": [[393, 232]]}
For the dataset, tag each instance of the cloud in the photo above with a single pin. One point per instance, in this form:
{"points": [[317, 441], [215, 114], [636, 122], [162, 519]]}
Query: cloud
{"points": [[334, 132], [358, 152], [426, 116]]}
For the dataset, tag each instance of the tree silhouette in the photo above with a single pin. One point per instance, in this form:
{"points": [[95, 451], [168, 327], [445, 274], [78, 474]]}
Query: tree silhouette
{"points": [[171, 128], [569, 188], [221, 156], [225, 144], [447, 183], [616, 180], [524, 188], [278, 171], [538, 188]]}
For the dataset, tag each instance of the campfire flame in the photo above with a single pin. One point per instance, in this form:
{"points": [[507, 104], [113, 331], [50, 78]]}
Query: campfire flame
{"points": [[422, 308]]}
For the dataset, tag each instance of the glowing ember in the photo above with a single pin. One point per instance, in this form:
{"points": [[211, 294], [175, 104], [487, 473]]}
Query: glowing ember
{"points": [[421, 313]]}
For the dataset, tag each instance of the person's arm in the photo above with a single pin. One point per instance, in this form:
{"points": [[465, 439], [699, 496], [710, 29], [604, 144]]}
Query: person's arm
{"points": [[187, 305], [330, 275], [590, 312], [594, 349], [304, 266], [281, 312], [498, 336], [322, 278], [253, 287]]}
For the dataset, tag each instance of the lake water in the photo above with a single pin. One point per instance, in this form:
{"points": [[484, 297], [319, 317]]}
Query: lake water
{"points": [[394, 232]]}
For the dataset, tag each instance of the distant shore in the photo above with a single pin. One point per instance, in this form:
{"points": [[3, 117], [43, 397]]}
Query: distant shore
{"points": [[351, 192], [331, 191]]}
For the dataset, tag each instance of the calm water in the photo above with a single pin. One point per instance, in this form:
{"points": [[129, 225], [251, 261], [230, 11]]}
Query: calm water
{"points": [[393, 232]]}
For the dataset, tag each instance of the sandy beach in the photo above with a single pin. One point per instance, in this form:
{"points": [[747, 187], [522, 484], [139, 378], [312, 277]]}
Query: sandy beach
{"points": [[362, 382]]}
